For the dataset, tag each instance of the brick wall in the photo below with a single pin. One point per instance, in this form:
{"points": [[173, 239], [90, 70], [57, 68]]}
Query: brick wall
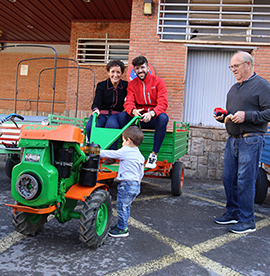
{"points": [[27, 86], [206, 146], [168, 59], [90, 30]]}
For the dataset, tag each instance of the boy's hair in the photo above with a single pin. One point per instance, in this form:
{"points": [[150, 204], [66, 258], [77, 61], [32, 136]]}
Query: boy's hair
{"points": [[140, 60], [116, 62], [135, 134]]}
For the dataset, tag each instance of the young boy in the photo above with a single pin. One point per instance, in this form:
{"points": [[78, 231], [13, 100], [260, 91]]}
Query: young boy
{"points": [[131, 170]]}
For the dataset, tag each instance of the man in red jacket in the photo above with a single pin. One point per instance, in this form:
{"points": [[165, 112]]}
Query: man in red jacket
{"points": [[147, 97]]}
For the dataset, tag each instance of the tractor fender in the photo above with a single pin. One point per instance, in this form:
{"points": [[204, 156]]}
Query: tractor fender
{"points": [[79, 192]]}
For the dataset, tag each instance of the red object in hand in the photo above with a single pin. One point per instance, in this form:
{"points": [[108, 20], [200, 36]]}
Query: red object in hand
{"points": [[218, 111]]}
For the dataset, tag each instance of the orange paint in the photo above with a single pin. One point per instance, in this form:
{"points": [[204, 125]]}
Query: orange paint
{"points": [[79, 192], [65, 133]]}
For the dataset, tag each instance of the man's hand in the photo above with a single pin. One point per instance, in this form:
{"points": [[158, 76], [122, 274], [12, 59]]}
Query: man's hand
{"points": [[146, 117], [219, 118], [238, 117], [136, 112]]}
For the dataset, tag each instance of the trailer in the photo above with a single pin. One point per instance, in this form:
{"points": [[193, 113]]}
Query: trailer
{"points": [[174, 146], [262, 182]]}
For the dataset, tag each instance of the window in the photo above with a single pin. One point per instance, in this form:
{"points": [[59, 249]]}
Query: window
{"points": [[102, 50], [218, 20]]}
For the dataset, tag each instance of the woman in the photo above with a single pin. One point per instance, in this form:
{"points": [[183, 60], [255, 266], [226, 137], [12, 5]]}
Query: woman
{"points": [[109, 100]]}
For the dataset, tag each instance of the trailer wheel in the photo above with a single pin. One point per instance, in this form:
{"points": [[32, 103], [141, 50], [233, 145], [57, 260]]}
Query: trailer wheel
{"points": [[96, 218], [177, 176], [261, 186], [29, 224]]}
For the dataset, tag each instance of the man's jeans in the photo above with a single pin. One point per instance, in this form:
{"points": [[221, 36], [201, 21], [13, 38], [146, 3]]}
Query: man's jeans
{"points": [[240, 171], [126, 193], [159, 124]]}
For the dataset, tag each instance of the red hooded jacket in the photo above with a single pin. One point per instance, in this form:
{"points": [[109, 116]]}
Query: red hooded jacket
{"points": [[150, 94]]}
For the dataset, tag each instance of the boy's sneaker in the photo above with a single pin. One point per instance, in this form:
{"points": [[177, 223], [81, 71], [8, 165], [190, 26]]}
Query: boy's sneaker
{"points": [[226, 219], [242, 227], [113, 227], [118, 233], [152, 161]]}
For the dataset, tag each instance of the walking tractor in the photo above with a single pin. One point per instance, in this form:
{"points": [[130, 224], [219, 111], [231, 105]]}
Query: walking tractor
{"points": [[58, 171]]}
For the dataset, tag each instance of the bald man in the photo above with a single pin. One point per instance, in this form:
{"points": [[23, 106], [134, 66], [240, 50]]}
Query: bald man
{"points": [[248, 102]]}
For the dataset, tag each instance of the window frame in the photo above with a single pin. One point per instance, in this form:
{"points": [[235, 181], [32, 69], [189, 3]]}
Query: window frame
{"points": [[217, 22], [102, 50]]}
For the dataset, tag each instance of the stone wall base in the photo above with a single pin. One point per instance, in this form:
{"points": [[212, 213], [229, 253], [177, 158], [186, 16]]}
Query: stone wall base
{"points": [[205, 154]]}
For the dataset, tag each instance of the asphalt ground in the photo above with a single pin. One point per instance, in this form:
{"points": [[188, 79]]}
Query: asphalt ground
{"points": [[168, 236]]}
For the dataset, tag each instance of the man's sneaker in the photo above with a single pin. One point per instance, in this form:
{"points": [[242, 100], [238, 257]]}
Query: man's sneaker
{"points": [[242, 227], [118, 233], [226, 219], [152, 161]]}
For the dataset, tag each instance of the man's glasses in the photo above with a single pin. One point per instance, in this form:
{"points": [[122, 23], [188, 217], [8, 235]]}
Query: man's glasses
{"points": [[235, 66]]}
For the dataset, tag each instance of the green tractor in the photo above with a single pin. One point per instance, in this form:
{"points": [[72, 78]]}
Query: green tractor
{"points": [[54, 175]]}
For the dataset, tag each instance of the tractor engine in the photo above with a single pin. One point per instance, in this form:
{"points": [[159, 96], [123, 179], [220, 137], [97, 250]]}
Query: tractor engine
{"points": [[50, 164]]}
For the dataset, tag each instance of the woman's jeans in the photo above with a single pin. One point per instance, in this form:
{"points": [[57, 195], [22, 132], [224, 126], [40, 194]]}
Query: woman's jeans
{"points": [[126, 192], [240, 171], [107, 121], [159, 124]]}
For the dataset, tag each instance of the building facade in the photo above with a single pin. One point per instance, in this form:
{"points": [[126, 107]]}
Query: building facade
{"points": [[189, 44]]}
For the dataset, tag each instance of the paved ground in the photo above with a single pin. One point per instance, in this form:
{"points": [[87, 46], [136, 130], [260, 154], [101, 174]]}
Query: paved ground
{"points": [[168, 236]]}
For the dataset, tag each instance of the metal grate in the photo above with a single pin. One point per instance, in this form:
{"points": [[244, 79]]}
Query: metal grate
{"points": [[218, 20], [102, 50]]}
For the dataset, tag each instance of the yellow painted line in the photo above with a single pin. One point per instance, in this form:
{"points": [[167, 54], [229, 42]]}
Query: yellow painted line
{"points": [[14, 237], [9, 240], [222, 204], [148, 198], [209, 189], [181, 252], [206, 199], [227, 238], [184, 252]]}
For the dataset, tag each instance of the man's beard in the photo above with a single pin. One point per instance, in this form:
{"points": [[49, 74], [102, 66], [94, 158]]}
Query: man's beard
{"points": [[143, 77]]}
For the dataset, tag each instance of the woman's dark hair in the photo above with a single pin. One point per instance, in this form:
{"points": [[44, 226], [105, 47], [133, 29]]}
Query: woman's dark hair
{"points": [[135, 134], [140, 60], [116, 62]]}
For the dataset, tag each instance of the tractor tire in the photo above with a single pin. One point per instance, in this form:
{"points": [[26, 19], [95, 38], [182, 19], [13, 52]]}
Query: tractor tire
{"points": [[109, 182], [10, 163], [177, 178], [96, 218], [29, 224], [261, 186]]}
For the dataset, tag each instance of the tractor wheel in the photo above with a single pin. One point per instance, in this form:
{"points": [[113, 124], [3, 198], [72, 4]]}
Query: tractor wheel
{"points": [[177, 176], [109, 182], [261, 186], [96, 218], [29, 224], [10, 163]]}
